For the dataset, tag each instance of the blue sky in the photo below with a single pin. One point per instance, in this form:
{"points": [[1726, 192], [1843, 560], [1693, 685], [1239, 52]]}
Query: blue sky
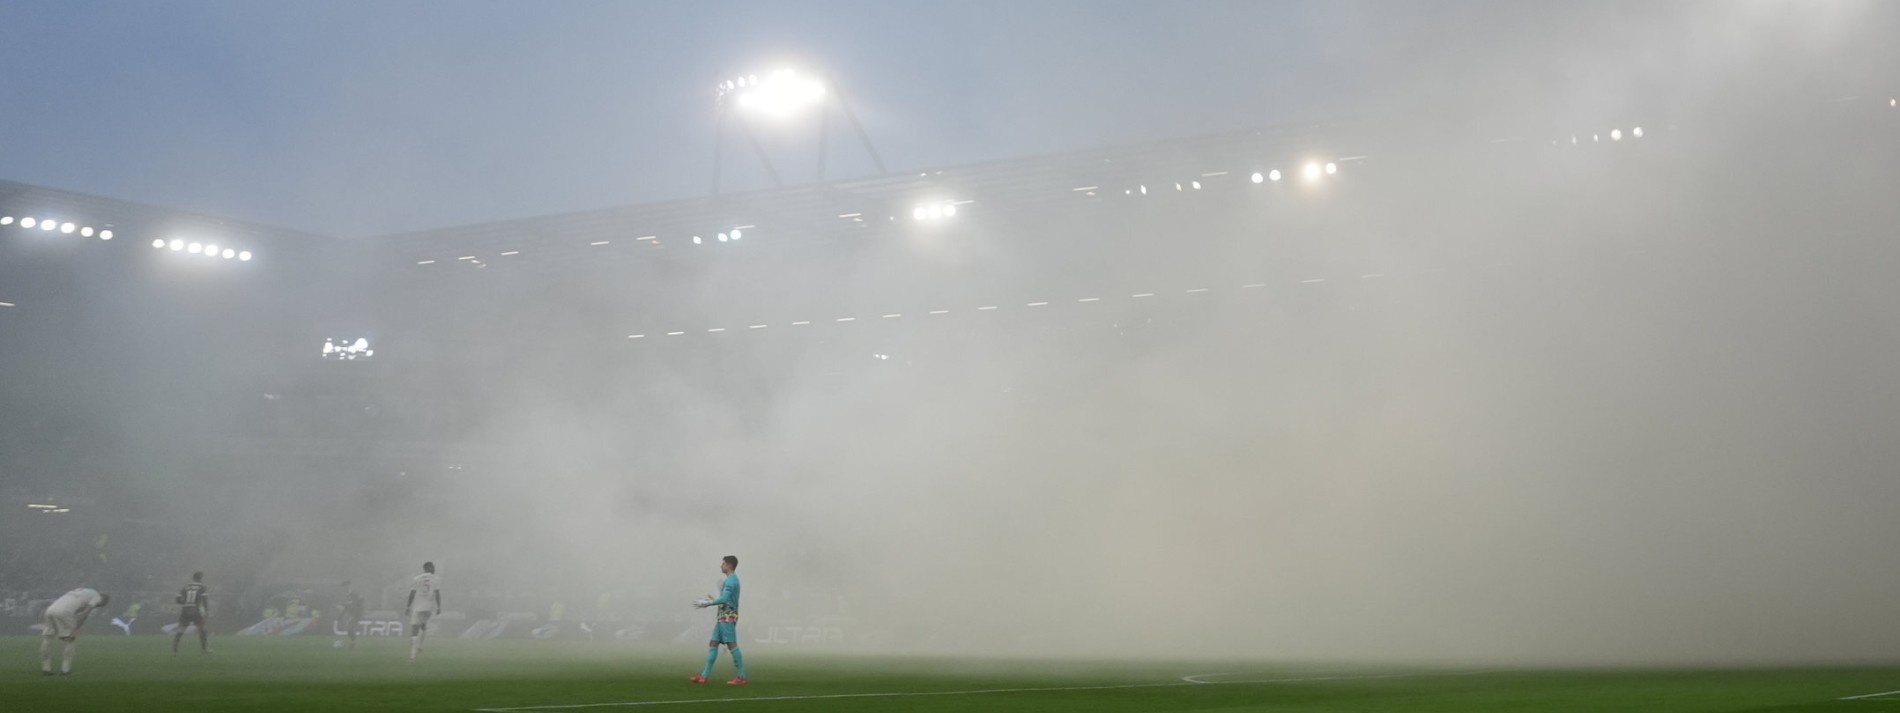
{"points": [[358, 118]]}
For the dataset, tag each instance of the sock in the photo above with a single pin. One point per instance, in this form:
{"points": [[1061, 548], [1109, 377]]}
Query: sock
{"points": [[46, 654], [204, 640], [415, 645], [67, 665], [712, 655], [175, 638], [738, 661]]}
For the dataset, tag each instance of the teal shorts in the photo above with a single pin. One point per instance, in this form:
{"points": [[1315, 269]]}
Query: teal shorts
{"points": [[725, 632]]}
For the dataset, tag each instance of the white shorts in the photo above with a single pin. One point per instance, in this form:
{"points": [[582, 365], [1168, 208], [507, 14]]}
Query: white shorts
{"points": [[419, 619], [61, 625]]}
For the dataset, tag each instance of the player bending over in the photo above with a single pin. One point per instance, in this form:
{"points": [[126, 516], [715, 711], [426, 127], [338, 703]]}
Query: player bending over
{"points": [[193, 601], [726, 630], [421, 608], [63, 619]]}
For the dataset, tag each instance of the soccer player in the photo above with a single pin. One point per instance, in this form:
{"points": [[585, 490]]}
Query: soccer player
{"points": [[63, 619], [350, 612], [193, 601], [726, 630], [420, 609]]}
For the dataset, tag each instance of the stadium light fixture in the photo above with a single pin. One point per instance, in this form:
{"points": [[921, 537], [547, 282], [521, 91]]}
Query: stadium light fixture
{"points": [[211, 251], [1257, 177], [48, 225], [158, 242], [1331, 168], [1637, 132], [229, 253], [1616, 134], [1274, 175], [27, 222], [105, 234], [67, 228], [86, 232], [195, 248], [736, 234], [347, 350], [1312, 170], [176, 245], [696, 240], [6, 220], [783, 93], [244, 256], [934, 210]]}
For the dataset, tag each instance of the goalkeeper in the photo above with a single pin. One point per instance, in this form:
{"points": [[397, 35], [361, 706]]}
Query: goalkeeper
{"points": [[726, 631]]}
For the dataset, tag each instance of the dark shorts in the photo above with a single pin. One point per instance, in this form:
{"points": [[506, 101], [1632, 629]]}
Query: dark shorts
{"points": [[189, 616]]}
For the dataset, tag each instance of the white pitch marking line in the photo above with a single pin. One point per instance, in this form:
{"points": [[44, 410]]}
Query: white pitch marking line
{"points": [[636, 336], [940, 311], [847, 319], [1869, 695], [1144, 294], [1185, 681], [1312, 281], [757, 326], [981, 309], [1090, 299], [1037, 304], [800, 324], [893, 316], [1197, 289], [717, 329], [674, 334]]}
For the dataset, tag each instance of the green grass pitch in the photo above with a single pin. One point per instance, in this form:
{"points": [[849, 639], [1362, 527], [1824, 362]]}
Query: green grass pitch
{"points": [[284, 675]]}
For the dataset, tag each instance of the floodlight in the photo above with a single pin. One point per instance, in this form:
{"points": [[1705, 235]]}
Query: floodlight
{"points": [[6, 220], [177, 245], [936, 211], [105, 234], [67, 228], [736, 233], [211, 251], [1311, 171], [1273, 175], [26, 222], [245, 256], [918, 213], [48, 225], [1637, 132], [229, 253], [1257, 177], [723, 237], [158, 242], [86, 232], [783, 93], [195, 248], [1144, 190], [949, 210], [695, 240], [1616, 134]]}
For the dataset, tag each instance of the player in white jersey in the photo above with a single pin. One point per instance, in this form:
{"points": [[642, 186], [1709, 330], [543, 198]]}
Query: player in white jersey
{"points": [[63, 619], [423, 607]]}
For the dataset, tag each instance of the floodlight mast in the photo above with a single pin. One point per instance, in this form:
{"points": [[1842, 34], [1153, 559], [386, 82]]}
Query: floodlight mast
{"points": [[782, 93]]}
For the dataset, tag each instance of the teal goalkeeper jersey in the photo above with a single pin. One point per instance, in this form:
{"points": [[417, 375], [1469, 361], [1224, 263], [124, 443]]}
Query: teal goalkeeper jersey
{"points": [[728, 600]]}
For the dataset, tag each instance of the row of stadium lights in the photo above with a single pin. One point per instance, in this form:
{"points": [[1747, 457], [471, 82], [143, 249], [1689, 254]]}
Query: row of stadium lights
{"points": [[1615, 135], [48, 509], [50, 225], [68, 228], [205, 249]]}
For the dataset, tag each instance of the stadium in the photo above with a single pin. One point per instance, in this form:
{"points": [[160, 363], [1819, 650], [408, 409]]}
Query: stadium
{"points": [[1474, 410]]}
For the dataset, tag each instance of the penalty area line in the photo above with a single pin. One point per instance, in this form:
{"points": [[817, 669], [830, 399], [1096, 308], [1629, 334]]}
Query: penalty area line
{"points": [[1866, 696], [1184, 682]]}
